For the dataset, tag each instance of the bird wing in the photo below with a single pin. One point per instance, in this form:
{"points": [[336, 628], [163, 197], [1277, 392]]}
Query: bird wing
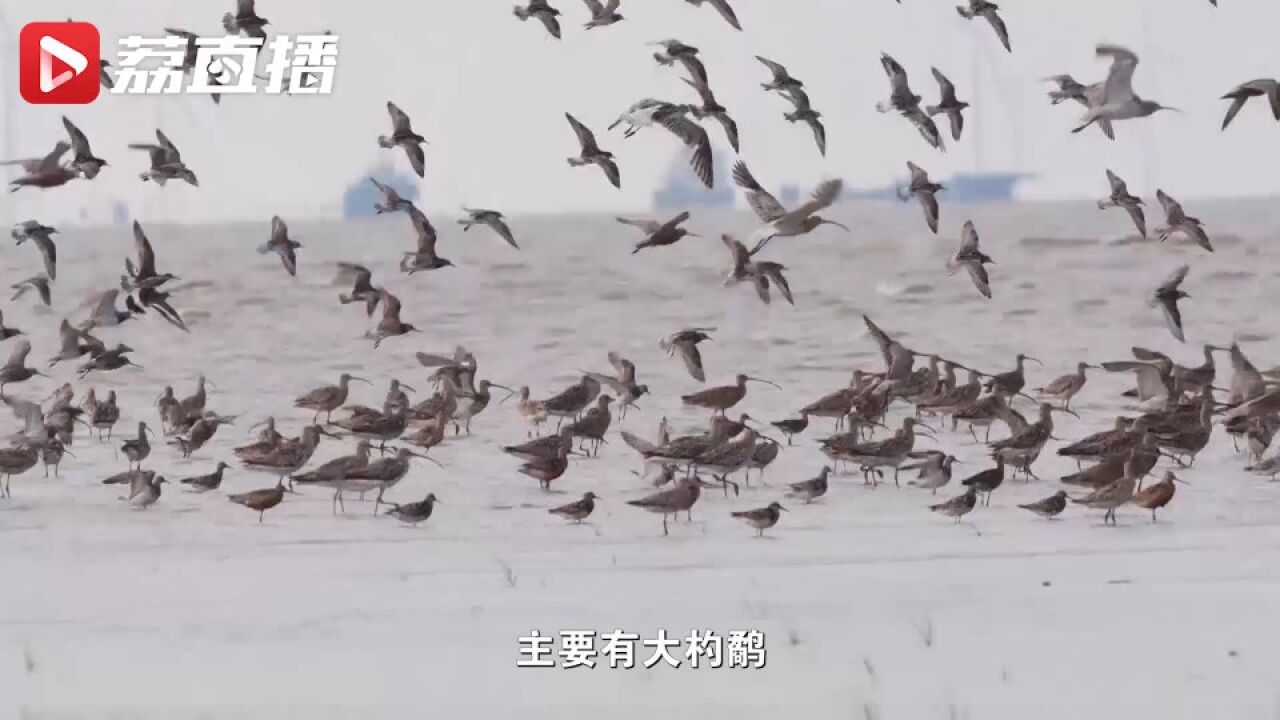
{"points": [[765, 205], [417, 158], [105, 306], [79, 143], [673, 223], [819, 134], [773, 271], [171, 154], [503, 230], [897, 75], [610, 169], [929, 202], [1172, 208], [968, 238], [946, 89], [741, 258], [648, 226], [551, 23], [390, 307], [694, 66], [585, 138], [1139, 218], [1002, 32], [726, 12], [692, 358], [730, 129], [146, 256], [825, 194], [426, 232], [779, 71], [978, 273], [50, 162], [1118, 186], [927, 127], [957, 123], [399, 121], [799, 98], [760, 282], [1237, 103], [594, 7], [49, 252], [279, 231], [918, 174], [1119, 84], [1172, 316], [626, 369], [703, 90], [1175, 279], [389, 194], [353, 273], [695, 137], [882, 339]]}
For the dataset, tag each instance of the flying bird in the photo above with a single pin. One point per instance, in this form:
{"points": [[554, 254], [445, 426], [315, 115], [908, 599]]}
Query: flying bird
{"points": [[782, 80], [685, 343], [545, 14], [391, 200], [674, 51], [245, 20], [493, 219], [657, 233], [722, 7], [1068, 89], [104, 76], [390, 325], [282, 245], [711, 108], [603, 14], [402, 135], [1120, 197], [166, 162], [46, 172], [780, 222], [425, 257], [925, 191], [762, 274], [806, 114], [42, 236], [1264, 87], [1117, 101], [972, 259], [83, 160], [143, 274], [907, 103], [948, 104], [1167, 297], [592, 154], [40, 284], [987, 11], [1178, 221]]}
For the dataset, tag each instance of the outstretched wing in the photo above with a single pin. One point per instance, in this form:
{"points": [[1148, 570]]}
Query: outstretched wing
{"points": [[765, 205], [399, 121], [585, 138], [146, 256], [825, 194], [648, 226], [695, 137]]}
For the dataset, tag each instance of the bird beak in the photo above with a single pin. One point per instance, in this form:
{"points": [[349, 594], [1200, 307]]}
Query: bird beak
{"points": [[74, 455], [323, 431], [425, 457], [1067, 411], [1166, 107], [1180, 480], [925, 432], [766, 382], [212, 384], [366, 382], [148, 429], [410, 388], [783, 509], [692, 235], [1035, 360], [833, 222]]}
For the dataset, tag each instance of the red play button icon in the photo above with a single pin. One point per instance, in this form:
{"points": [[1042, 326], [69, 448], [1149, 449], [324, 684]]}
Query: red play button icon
{"points": [[58, 63]]}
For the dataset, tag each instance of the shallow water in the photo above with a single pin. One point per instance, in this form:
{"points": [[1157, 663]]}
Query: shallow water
{"points": [[872, 606]]}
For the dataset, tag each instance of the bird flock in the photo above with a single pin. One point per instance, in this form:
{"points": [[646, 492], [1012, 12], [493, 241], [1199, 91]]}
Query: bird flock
{"points": [[1175, 409]]}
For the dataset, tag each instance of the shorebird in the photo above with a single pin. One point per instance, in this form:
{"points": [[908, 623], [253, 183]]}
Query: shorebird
{"points": [[725, 458], [245, 20], [414, 513], [104, 415], [143, 274], [282, 245], [762, 274], [544, 13], [782, 80], [805, 113], [200, 432], [390, 325], [1254, 88], [623, 384], [205, 483], [40, 284], [1157, 496], [987, 11], [15, 369], [493, 219], [286, 457], [41, 235], [83, 160], [674, 51], [1120, 197], [948, 104], [1023, 447], [328, 398], [1109, 497], [958, 506], [107, 360], [105, 313], [332, 473], [159, 301], [780, 222], [1117, 100], [1065, 387], [675, 120], [761, 519], [793, 426], [144, 491], [1068, 89], [810, 490], [658, 234], [533, 411], [1049, 507], [75, 343], [1176, 220], [572, 400], [391, 200], [711, 108], [472, 401], [987, 481], [16, 460], [44, 172], [591, 153], [722, 7], [104, 77], [166, 162], [543, 448], [579, 510], [403, 136], [361, 280], [934, 470], [381, 475], [1269, 467], [972, 259], [719, 399], [603, 15], [139, 448], [685, 343], [261, 500], [673, 501], [907, 103], [1167, 297], [51, 455], [872, 456], [924, 191], [1011, 383], [424, 258], [547, 470], [35, 431]]}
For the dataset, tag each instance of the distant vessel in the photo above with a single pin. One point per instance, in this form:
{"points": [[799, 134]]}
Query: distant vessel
{"points": [[984, 187], [360, 196]]}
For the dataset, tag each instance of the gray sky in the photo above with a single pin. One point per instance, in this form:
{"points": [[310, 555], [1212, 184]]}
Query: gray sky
{"points": [[489, 93]]}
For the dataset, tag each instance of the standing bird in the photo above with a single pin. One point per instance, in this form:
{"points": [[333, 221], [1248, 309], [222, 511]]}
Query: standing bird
{"points": [[761, 519], [83, 160], [493, 219], [685, 343], [1065, 387], [1120, 197], [782, 80], [414, 513], [205, 483], [390, 325], [987, 481], [1110, 497], [806, 114], [328, 398], [579, 510], [603, 15], [40, 284], [1176, 220], [958, 506], [925, 191], [41, 235], [591, 153], [987, 11], [1157, 496], [139, 448], [1254, 88], [1167, 297], [659, 234], [793, 426], [543, 11], [403, 136], [261, 500], [810, 490], [907, 103], [778, 221], [722, 7], [972, 259], [1049, 507], [711, 108], [282, 245], [673, 501], [1117, 100], [674, 51], [948, 104], [166, 162], [144, 490], [245, 20], [719, 399], [934, 470]]}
